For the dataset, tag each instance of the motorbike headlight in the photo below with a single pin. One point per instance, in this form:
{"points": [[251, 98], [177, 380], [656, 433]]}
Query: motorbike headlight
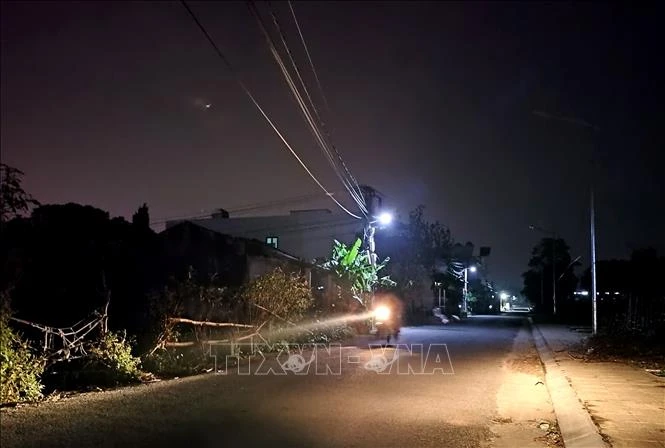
{"points": [[382, 312]]}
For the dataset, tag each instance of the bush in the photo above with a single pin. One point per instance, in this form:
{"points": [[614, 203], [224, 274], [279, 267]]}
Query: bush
{"points": [[168, 363], [109, 362], [284, 294], [20, 369], [328, 334], [324, 334], [114, 354]]}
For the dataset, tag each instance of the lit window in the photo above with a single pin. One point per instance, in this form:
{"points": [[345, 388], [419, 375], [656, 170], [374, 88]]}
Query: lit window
{"points": [[272, 241]]}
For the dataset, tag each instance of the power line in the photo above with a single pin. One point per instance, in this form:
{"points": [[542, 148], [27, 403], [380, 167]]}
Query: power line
{"points": [[293, 228], [260, 109], [355, 193], [203, 213], [316, 132], [321, 92], [309, 57]]}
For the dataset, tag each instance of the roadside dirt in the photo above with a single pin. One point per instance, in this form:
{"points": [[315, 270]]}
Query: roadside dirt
{"points": [[525, 416]]}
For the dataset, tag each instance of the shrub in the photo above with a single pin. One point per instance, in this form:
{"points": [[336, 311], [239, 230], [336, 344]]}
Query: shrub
{"points": [[114, 354], [190, 298], [284, 294], [324, 334], [169, 362], [20, 369], [108, 363]]}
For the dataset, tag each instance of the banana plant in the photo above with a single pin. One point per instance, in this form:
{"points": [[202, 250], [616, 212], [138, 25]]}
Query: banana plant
{"points": [[355, 270]]}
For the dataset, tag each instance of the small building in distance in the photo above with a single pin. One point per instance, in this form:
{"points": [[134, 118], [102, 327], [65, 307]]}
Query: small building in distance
{"points": [[304, 234], [234, 261]]}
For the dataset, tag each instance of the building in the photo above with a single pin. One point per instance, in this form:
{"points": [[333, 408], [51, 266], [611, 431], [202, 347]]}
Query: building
{"points": [[234, 261], [304, 234]]}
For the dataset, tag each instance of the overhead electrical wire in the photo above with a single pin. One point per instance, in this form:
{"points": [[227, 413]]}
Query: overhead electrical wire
{"points": [[309, 57], [356, 192], [204, 213], [320, 136], [318, 83], [316, 132], [284, 228], [260, 109]]}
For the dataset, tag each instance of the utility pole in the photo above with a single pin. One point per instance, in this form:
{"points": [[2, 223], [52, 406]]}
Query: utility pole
{"points": [[373, 205], [594, 293], [554, 274], [370, 230], [466, 289]]}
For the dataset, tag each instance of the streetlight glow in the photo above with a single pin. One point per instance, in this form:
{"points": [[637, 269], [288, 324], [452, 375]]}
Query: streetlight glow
{"points": [[504, 296], [473, 269], [385, 218]]}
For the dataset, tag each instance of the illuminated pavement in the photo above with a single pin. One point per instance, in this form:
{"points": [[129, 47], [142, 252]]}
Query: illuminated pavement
{"points": [[351, 408]]}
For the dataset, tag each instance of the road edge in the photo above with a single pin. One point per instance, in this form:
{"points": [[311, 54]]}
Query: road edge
{"points": [[577, 428]]}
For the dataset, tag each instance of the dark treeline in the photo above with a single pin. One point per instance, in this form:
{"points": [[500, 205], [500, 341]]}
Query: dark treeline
{"points": [[61, 263]]}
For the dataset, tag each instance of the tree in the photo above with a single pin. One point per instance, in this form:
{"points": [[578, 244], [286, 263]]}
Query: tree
{"points": [[141, 219], [355, 271], [538, 280], [418, 250], [64, 258], [14, 201]]}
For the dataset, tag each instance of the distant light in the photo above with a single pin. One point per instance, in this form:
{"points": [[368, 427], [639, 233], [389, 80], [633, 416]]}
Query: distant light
{"points": [[473, 269], [208, 106], [490, 306], [504, 296], [385, 218]]}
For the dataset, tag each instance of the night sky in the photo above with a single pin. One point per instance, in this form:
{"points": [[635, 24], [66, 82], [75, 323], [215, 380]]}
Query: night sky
{"points": [[104, 103]]}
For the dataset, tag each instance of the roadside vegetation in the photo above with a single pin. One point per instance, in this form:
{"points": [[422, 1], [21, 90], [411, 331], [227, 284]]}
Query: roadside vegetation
{"points": [[94, 304]]}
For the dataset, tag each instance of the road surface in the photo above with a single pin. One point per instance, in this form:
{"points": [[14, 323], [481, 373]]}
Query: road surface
{"points": [[457, 405]]}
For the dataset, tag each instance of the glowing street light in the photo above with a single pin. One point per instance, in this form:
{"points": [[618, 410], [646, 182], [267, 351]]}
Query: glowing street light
{"points": [[385, 218], [504, 296], [465, 294]]}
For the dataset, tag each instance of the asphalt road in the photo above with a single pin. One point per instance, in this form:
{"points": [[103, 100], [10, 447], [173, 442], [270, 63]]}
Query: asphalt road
{"points": [[356, 406]]}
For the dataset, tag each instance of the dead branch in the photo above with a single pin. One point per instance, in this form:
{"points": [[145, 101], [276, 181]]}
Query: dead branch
{"points": [[182, 320], [212, 341], [72, 339], [179, 344], [273, 314]]}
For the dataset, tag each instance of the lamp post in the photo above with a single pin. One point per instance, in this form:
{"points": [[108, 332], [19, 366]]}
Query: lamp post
{"points": [[554, 237], [592, 212], [466, 287], [383, 219]]}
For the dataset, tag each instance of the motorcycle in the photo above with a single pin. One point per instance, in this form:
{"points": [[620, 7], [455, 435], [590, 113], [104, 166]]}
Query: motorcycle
{"points": [[386, 322]]}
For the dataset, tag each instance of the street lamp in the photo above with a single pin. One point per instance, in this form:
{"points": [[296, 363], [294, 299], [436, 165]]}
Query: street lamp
{"points": [[592, 211], [383, 219], [466, 286], [553, 236]]}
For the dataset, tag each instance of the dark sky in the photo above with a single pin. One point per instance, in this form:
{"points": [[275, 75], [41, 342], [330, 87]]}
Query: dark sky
{"points": [[103, 103]]}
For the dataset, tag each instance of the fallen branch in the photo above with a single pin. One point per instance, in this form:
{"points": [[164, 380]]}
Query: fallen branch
{"points": [[276, 315], [182, 320], [211, 341]]}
